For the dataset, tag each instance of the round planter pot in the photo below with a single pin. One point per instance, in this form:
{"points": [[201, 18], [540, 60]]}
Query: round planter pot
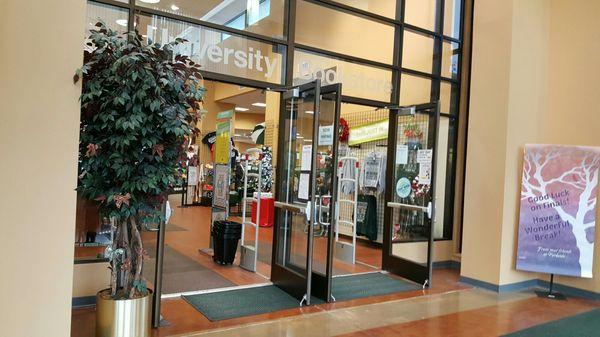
{"points": [[123, 318]]}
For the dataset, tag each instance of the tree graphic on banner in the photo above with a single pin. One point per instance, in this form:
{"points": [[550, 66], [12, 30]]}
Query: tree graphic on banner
{"points": [[565, 178]]}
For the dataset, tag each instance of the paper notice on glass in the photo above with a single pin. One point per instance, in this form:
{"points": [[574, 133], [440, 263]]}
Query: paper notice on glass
{"points": [[306, 157], [326, 135], [192, 175], [425, 173], [402, 154], [424, 156], [303, 186]]}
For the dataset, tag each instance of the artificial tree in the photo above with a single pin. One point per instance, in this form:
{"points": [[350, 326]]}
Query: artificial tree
{"points": [[139, 105]]}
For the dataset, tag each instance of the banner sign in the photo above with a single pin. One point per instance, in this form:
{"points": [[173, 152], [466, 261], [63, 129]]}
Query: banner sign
{"points": [[223, 142], [557, 219], [369, 132], [221, 186]]}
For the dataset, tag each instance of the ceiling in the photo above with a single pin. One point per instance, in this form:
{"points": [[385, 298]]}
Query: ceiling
{"points": [[246, 99]]}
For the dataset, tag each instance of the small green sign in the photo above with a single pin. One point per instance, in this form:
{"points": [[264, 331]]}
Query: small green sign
{"points": [[369, 132]]}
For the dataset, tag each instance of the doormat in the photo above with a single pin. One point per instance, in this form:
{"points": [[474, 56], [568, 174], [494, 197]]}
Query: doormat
{"points": [[367, 285], [181, 273], [243, 302], [265, 252], [582, 325]]}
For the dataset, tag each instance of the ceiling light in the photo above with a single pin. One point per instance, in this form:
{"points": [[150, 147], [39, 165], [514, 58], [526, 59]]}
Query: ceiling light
{"points": [[239, 108], [309, 112], [174, 7], [150, 1], [122, 22], [259, 104]]}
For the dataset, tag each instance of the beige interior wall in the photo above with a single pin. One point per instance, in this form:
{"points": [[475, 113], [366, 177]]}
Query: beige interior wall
{"points": [[39, 127], [531, 83], [574, 51], [527, 107], [247, 121], [484, 181], [89, 278]]}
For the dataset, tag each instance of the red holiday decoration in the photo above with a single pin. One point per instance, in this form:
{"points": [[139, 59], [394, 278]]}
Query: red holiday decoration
{"points": [[344, 130]]}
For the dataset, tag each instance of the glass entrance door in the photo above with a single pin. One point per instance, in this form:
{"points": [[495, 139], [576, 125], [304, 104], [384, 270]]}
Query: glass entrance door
{"points": [[291, 268], [304, 186], [410, 207], [326, 187]]}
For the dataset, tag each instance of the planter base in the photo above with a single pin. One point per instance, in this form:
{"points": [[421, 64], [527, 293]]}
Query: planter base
{"points": [[123, 318]]}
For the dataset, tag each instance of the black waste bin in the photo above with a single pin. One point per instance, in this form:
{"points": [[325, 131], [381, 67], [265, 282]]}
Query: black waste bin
{"points": [[226, 235]]}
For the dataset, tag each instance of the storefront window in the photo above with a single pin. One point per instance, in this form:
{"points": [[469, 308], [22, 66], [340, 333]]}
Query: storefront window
{"points": [[325, 28], [450, 56], [114, 17], [417, 51], [357, 80], [414, 90], [420, 13], [385, 8], [448, 98], [452, 9], [263, 17], [216, 51]]}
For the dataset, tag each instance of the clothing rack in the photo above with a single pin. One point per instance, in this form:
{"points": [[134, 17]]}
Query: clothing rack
{"points": [[361, 151]]}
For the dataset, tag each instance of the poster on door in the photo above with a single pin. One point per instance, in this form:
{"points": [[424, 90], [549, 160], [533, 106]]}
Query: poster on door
{"points": [[557, 219]]}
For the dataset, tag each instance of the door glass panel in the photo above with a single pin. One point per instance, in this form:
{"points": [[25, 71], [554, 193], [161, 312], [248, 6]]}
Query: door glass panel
{"points": [[411, 227], [325, 181], [292, 245]]}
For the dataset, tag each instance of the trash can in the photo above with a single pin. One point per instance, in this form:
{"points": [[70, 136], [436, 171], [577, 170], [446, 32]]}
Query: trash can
{"points": [[226, 235]]}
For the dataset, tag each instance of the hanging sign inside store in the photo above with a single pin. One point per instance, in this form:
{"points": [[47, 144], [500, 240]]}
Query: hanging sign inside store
{"points": [[369, 132], [559, 189], [223, 142]]}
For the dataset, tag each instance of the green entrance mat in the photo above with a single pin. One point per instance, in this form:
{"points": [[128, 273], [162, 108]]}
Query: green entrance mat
{"points": [[236, 303], [586, 324], [367, 285], [242, 302]]}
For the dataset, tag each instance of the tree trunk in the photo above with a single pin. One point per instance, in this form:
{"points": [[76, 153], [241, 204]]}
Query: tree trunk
{"points": [[139, 257]]}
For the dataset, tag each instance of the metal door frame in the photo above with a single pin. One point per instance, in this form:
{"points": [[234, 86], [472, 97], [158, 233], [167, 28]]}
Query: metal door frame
{"points": [[296, 285], [322, 284], [394, 264]]}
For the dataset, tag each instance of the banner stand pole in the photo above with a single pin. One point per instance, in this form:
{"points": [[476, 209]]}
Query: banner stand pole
{"points": [[550, 294]]}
